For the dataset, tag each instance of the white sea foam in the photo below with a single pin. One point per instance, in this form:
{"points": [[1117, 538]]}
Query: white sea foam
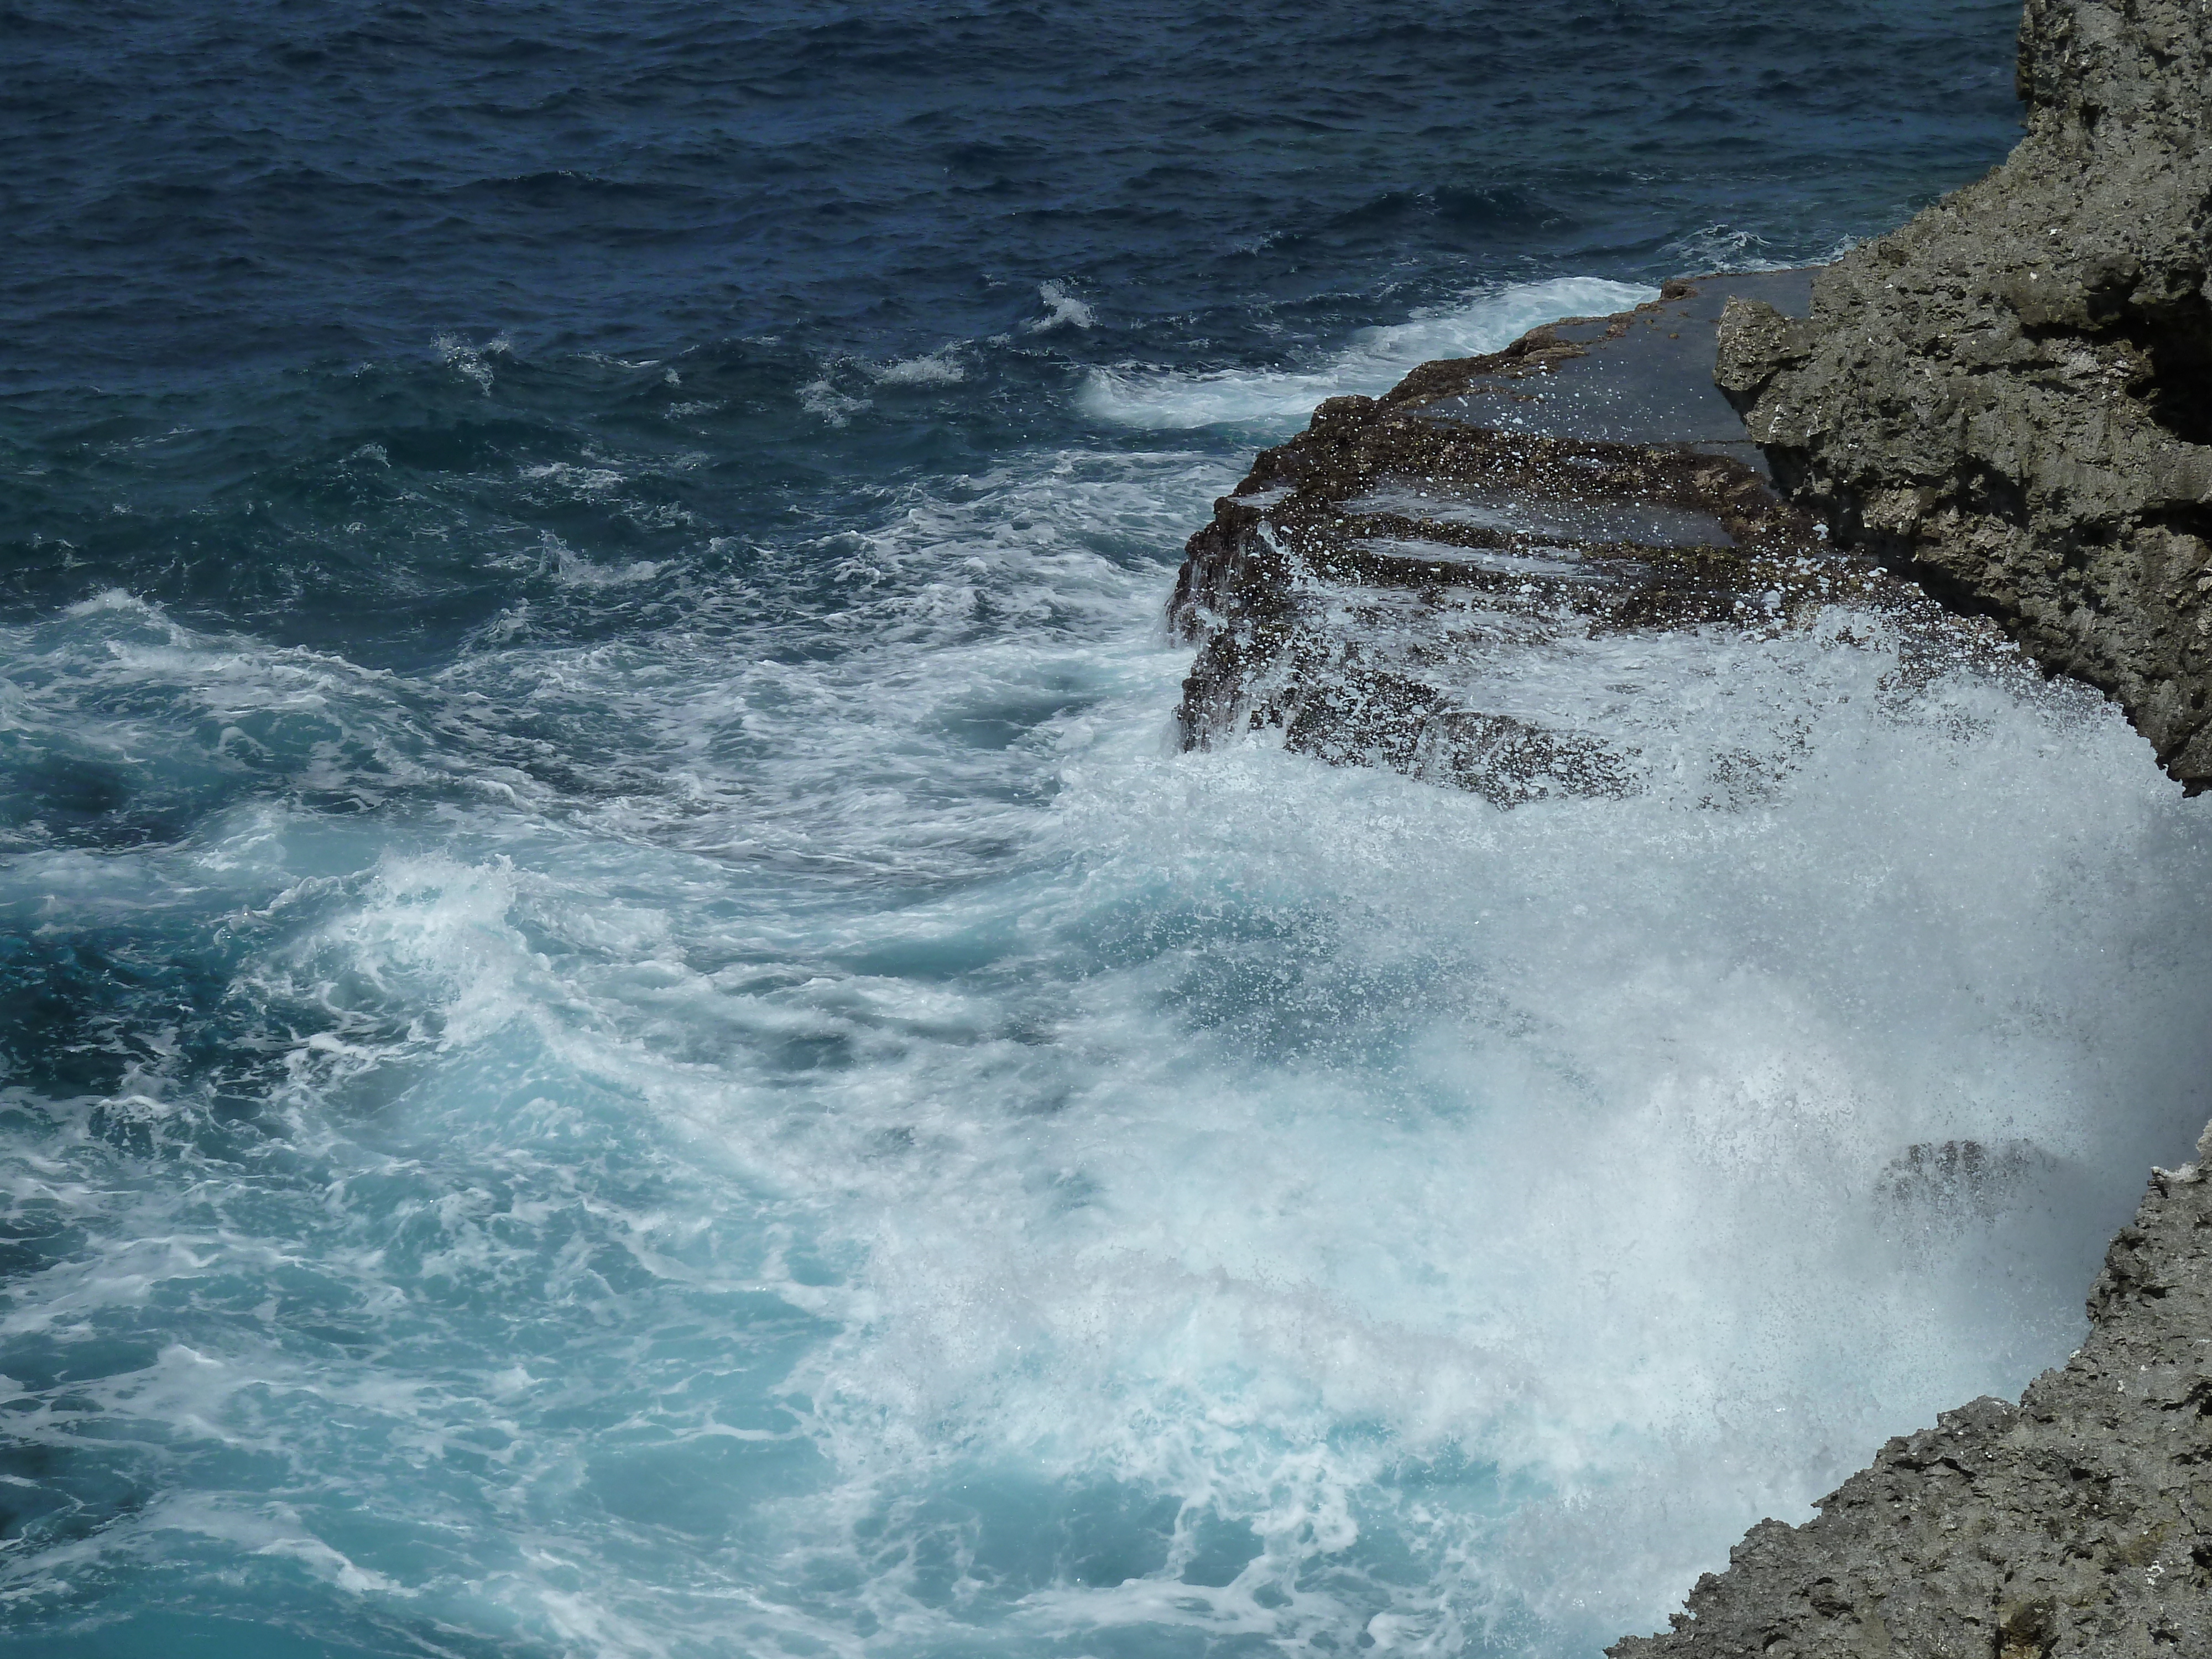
{"points": [[1374, 360], [821, 398], [878, 1153], [1538, 561], [940, 367], [572, 478], [1721, 247], [1062, 310], [472, 362], [1654, 526], [568, 567]]}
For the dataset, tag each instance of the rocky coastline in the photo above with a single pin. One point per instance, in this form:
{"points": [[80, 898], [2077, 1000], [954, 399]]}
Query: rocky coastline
{"points": [[2077, 1522], [1999, 417], [1365, 586], [2011, 397]]}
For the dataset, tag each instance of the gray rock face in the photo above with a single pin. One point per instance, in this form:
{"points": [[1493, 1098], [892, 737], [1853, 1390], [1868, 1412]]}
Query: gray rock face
{"points": [[2010, 399], [2078, 1522]]}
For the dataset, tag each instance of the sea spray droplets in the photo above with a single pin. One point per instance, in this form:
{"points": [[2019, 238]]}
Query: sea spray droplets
{"points": [[837, 1102], [1062, 310], [1588, 1079], [941, 368], [470, 361]]}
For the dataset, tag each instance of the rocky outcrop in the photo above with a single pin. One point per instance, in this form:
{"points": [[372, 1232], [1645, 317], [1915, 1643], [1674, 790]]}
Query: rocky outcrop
{"points": [[1352, 590], [2010, 399], [2008, 403], [1373, 592], [2075, 1525]]}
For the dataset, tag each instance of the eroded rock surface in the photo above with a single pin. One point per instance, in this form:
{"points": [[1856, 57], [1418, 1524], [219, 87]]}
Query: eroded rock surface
{"points": [[1434, 580], [2010, 399], [2078, 1522]]}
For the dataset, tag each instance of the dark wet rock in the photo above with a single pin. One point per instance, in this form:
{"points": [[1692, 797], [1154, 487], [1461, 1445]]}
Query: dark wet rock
{"points": [[1586, 482], [2010, 399], [2078, 1522], [1642, 377]]}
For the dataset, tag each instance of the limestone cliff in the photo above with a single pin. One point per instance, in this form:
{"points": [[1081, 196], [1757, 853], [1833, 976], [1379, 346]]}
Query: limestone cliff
{"points": [[2010, 399]]}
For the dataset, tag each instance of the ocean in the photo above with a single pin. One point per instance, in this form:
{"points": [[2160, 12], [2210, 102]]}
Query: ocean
{"points": [[622, 1032]]}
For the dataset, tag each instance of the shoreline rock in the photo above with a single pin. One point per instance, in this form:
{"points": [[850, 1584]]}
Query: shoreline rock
{"points": [[2006, 403], [2009, 398], [2077, 1522], [1585, 482]]}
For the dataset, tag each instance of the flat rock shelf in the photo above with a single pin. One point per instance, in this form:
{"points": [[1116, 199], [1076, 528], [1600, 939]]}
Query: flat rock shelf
{"points": [[1462, 580]]}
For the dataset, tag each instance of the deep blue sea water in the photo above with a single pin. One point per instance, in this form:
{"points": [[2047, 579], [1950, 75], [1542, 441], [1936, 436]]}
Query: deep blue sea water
{"points": [[621, 1033]]}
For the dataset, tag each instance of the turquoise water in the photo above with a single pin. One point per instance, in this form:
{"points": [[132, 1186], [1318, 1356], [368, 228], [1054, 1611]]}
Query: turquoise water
{"points": [[623, 1032]]}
